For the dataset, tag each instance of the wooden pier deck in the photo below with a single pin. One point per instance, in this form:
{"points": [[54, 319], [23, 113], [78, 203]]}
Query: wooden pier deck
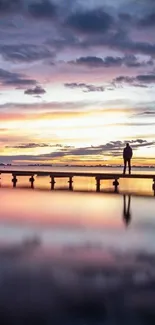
{"points": [[70, 175]]}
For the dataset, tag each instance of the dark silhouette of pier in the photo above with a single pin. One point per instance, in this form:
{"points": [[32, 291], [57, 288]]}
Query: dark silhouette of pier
{"points": [[70, 176]]}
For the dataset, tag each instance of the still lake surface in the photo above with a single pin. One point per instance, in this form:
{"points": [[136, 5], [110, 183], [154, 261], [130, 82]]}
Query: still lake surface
{"points": [[76, 257]]}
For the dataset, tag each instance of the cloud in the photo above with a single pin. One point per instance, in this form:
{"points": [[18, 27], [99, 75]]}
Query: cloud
{"points": [[125, 17], [14, 79], [9, 5], [25, 52], [148, 78], [43, 9], [36, 8], [147, 20], [138, 81], [57, 107], [110, 61], [112, 148], [91, 21], [32, 145], [131, 61], [29, 146], [150, 112], [35, 91], [96, 62], [124, 79], [84, 87]]}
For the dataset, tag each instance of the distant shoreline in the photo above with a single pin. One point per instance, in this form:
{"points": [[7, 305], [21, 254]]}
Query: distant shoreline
{"points": [[74, 166]]}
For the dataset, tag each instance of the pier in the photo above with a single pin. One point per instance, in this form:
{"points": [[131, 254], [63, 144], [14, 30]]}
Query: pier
{"points": [[70, 176]]}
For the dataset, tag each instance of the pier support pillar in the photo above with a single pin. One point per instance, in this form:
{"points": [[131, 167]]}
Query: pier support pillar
{"points": [[14, 180], [98, 184], [52, 182], [116, 184], [153, 186], [71, 183], [31, 180]]}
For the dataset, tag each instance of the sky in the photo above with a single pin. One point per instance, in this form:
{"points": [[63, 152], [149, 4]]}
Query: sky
{"points": [[77, 81]]}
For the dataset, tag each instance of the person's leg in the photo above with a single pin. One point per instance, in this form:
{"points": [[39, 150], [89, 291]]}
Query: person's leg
{"points": [[129, 164], [124, 166]]}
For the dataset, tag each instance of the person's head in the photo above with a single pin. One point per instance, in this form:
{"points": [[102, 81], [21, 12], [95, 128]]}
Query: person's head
{"points": [[127, 145]]}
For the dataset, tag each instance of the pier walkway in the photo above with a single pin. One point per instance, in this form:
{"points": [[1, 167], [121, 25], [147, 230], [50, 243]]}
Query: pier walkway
{"points": [[70, 175]]}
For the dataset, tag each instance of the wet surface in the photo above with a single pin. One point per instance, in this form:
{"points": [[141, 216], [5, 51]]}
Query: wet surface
{"points": [[76, 258]]}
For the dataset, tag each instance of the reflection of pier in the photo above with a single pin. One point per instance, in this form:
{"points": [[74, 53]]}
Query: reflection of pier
{"points": [[70, 175], [126, 209]]}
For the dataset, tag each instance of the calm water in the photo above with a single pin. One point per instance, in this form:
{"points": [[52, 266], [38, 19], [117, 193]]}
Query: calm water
{"points": [[137, 186], [76, 258]]}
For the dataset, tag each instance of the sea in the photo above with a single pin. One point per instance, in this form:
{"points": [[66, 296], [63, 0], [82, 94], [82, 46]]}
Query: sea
{"points": [[77, 257]]}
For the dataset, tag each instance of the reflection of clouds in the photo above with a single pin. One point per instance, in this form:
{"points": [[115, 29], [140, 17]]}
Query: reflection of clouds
{"points": [[20, 250], [64, 293], [145, 225]]}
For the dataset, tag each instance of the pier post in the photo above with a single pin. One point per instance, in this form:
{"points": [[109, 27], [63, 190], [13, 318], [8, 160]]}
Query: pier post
{"points": [[52, 182], [71, 183], [31, 180], [97, 184], [14, 180], [116, 184], [153, 186]]}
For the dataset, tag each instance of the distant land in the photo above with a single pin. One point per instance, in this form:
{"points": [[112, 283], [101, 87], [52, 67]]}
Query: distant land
{"points": [[77, 166]]}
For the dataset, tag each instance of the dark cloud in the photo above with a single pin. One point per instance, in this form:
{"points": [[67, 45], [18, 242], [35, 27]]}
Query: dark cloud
{"points": [[29, 146], [90, 61], [112, 148], [95, 21], [43, 9], [36, 8], [25, 52], [120, 40], [132, 61], [138, 81], [145, 113], [136, 47], [35, 91], [149, 78], [96, 62], [20, 82], [125, 17], [14, 79], [148, 20], [117, 40], [9, 5], [110, 61], [125, 79], [38, 145], [84, 87]]}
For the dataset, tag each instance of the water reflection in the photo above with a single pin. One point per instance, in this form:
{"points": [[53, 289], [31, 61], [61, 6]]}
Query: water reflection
{"points": [[126, 209], [66, 259]]}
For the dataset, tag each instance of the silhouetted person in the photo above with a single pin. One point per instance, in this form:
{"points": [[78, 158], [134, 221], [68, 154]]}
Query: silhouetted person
{"points": [[127, 155], [126, 210]]}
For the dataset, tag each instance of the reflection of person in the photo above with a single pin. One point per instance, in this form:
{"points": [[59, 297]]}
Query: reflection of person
{"points": [[126, 210], [127, 155]]}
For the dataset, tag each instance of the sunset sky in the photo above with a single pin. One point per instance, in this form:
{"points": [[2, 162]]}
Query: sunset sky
{"points": [[77, 81]]}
